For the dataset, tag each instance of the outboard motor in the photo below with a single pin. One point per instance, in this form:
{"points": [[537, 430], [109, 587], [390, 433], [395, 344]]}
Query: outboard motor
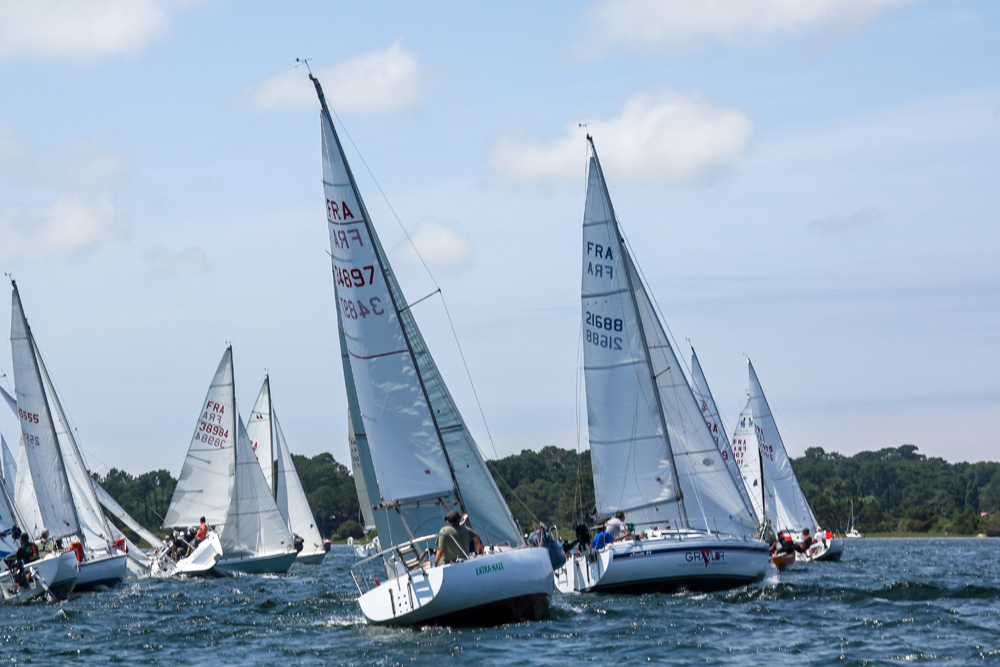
{"points": [[583, 533]]}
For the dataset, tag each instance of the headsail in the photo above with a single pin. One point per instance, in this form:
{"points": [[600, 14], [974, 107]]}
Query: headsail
{"points": [[746, 453], [291, 499], [24, 495], [112, 506], [9, 467], [792, 511], [653, 455], [205, 485], [423, 456], [48, 474], [261, 433], [360, 485]]}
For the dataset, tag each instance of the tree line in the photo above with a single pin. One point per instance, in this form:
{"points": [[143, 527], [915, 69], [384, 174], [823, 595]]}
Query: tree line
{"points": [[896, 489]]}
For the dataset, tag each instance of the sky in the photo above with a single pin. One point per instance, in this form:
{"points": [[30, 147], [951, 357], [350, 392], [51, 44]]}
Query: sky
{"points": [[812, 184]]}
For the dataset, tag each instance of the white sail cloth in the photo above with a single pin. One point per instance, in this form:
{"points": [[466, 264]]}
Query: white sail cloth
{"points": [[746, 453], [260, 432], [24, 496], [653, 454], [419, 446], [117, 510], [357, 472], [291, 499], [205, 486], [9, 466], [792, 511]]}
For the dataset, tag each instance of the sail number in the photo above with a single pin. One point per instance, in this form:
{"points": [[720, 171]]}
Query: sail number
{"points": [[607, 323], [352, 309], [30, 439], [213, 429], [601, 340], [354, 277], [29, 417]]}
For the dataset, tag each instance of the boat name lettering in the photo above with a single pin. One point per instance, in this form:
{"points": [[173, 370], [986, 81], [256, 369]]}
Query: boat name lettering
{"points": [[486, 569], [354, 277], [30, 439], [705, 555], [29, 417], [601, 322], [600, 340], [334, 212], [340, 238], [600, 270], [352, 309], [600, 251]]}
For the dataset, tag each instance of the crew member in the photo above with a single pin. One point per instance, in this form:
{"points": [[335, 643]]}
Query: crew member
{"points": [[453, 540]]}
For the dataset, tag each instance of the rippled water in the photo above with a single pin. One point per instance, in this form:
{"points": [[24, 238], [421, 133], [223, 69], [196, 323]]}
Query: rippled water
{"points": [[888, 600]]}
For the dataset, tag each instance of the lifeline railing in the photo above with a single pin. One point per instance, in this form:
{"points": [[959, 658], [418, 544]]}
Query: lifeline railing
{"points": [[399, 560]]}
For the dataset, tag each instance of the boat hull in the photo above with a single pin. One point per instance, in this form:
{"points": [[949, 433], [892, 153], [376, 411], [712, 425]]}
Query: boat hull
{"points": [[507, 587], [54, 574], [665, 565], [310, 559], [276, 564], [102, 570], [831, 552], [783, 560]]}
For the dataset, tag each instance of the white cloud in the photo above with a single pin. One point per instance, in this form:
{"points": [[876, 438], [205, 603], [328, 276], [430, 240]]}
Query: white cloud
{"points": [[60, 202], [439, 243], [661, 137], [75, 29], [378, 82], [189, 260], [678, 25], [847, 225]]}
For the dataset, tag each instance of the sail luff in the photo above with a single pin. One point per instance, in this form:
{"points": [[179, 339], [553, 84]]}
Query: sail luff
{"points": [[642, 333], [291, 498]]}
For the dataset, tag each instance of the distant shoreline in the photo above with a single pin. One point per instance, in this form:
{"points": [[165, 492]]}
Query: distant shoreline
{"points": [[897, 536]]}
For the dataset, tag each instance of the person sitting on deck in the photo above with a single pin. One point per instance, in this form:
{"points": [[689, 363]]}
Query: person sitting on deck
{"points": [[616, 526], [602, 539], [475, 543], [452, 540], [27, 553], [202, 534], [44, 544], [782, 544], [807, 541]]}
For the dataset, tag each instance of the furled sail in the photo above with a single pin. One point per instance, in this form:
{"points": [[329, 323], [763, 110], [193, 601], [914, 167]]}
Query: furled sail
{"points": [[261, 434], [792, 511], [48, 473], [653, 454], [709, 410], [423, 456], [291, 499], [205, 486], [254, 526]]}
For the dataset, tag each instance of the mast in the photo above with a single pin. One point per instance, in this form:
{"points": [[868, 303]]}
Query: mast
{"points": [[392, 295], [642, 335], [270, 426]]}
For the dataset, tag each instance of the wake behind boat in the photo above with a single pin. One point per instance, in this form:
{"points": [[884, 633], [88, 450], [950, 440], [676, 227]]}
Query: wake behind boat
{"points": [[418, 460], [655, 458]]}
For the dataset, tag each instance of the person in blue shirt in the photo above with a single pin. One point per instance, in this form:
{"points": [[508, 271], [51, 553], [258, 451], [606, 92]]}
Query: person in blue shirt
{"points": [[602, 538]]}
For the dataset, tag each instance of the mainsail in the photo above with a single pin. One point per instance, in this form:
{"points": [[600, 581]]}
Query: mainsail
{"points": [[423, 457], [653, 454], [792, 511], [709, 410], [357, 472], [205, 486], [261, 434], [746, 453]]}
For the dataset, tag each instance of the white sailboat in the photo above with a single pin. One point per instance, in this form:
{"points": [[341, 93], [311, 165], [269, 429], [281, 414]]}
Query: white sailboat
{"points": [[275, 459], [852, 532], [653, 454], [63, 489], [418, 459], [222, 481], [791, 512]]}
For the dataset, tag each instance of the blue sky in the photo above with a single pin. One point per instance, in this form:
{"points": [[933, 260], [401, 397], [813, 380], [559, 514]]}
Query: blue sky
{"points": [[812, 184]]}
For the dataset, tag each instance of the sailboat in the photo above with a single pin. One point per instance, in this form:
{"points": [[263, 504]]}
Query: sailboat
{"points": [[791, 512], [853, 533], [222, 481], [653, 454], [418, 458], [62, 487], [268, 441]]}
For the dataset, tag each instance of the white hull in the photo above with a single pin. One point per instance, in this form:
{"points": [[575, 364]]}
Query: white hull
{"points": [[103, 569], [275, 564], [314, 558], [200, 562], [54, 574], [666, 564], [854, 534], [832, 552], [490, 589]]}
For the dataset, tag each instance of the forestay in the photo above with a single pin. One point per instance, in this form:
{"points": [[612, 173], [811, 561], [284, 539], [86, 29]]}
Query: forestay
{"points": [[254, 526], [48, 474], [260, 432], [289, 496], [654, 456], [419, 446], [792, 511], [205, 485], [713, 419]]}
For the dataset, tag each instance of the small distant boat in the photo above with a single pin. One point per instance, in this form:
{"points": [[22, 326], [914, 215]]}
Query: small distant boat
{"points": [[62, 498], [655, 457], [418, 459], [269, 444], [761, 454], [853, 533], [222, 480]]}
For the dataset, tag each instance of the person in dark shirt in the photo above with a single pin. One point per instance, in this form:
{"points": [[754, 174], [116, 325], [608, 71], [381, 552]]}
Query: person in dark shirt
{"points": [[807, 541], [27, 553]]}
